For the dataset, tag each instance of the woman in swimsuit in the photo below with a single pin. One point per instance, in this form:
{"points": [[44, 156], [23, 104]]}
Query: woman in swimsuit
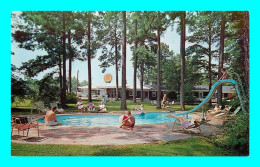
{"points": [[128, 121], [80, 105]]}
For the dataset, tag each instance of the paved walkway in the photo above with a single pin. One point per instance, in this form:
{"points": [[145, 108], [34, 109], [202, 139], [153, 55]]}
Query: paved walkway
{"points": [[111, 135]]}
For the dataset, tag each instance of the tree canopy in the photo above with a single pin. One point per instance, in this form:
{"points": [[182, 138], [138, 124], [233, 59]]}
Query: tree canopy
{"points": [[68, 36]]}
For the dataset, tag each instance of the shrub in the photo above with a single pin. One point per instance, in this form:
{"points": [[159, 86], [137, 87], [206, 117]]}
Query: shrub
{"points": [[236, 134], [71, 98], [48, 89], [189, 97]]}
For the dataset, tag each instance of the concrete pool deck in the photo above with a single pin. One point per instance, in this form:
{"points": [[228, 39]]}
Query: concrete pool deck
{"points": [[111, 135]]}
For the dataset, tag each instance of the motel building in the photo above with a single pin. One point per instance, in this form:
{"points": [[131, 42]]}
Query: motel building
{"points": [[150, 92]]}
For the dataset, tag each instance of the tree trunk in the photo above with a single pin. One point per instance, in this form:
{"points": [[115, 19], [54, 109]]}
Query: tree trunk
{"points": [[70, 60], [123, 93], [89, 64], [142, 82], [116, 63], [221, 57], [182, 52], [77, 82], [135, 64], [210, 73], [158, 63], [63, 102], [60, 79], [246, 50]]}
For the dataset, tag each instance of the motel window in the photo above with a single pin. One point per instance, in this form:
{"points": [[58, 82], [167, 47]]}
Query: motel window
{"points": [[200, 95], [196, 94], [153, 93], [205, 94], [131, 93]]}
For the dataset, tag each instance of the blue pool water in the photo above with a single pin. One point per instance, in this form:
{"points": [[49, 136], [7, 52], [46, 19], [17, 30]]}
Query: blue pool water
{"points": [[111, 120]]}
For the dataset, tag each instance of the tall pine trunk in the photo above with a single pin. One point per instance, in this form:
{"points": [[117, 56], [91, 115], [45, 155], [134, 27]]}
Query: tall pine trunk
{"points": [[63, 102], [70, 60], [77, 82], [182, 52], [142, 82], [135, 64], [158, 62], [221, 57], [116, 63], [123, 92], [89, 64], [60, 79], [246, 50], [210, 73]]}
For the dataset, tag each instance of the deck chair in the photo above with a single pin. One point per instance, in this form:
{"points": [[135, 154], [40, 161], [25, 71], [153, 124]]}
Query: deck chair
{"points": [[190, 127], [137, 107], [40, 107], [223, 113], [22, 124], [236, 111], [101, 109], [56, 105], [154, 102]]}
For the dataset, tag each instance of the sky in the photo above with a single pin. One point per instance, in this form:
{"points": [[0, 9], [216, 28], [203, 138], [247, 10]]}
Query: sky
{"points": [[170, 37]]}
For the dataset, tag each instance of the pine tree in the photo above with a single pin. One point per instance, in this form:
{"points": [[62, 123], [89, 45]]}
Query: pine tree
{"points": [[110, 35], [123, 92]]}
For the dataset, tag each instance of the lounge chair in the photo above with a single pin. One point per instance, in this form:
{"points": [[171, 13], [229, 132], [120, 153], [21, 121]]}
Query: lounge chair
{"points": [[102, 109], [191, 126], [136, 107], [154, 102], [234, 113], [22, 124], [56, 105], [222, 112], [40, 107]]}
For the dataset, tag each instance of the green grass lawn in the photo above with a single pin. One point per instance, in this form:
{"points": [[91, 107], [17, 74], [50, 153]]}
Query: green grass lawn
{"points": [[25, 107], [189, 147]]}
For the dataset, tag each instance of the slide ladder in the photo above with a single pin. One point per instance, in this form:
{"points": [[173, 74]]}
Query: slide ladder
{"points": [[241, 88], [212, 92]]}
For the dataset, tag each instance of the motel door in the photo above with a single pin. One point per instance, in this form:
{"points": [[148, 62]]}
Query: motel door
{"points": [[146, 95]]}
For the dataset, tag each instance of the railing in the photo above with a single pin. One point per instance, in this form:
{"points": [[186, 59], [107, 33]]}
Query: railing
{"points": [[240, 88]]}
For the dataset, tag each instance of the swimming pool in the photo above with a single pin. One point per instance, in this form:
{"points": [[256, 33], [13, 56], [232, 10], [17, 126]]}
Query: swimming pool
{"points": [[111, 120]]}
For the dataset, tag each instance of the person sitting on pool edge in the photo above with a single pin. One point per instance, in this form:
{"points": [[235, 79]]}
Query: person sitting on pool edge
{"points": [[128, 121], [142, 109], [50, 117]]}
